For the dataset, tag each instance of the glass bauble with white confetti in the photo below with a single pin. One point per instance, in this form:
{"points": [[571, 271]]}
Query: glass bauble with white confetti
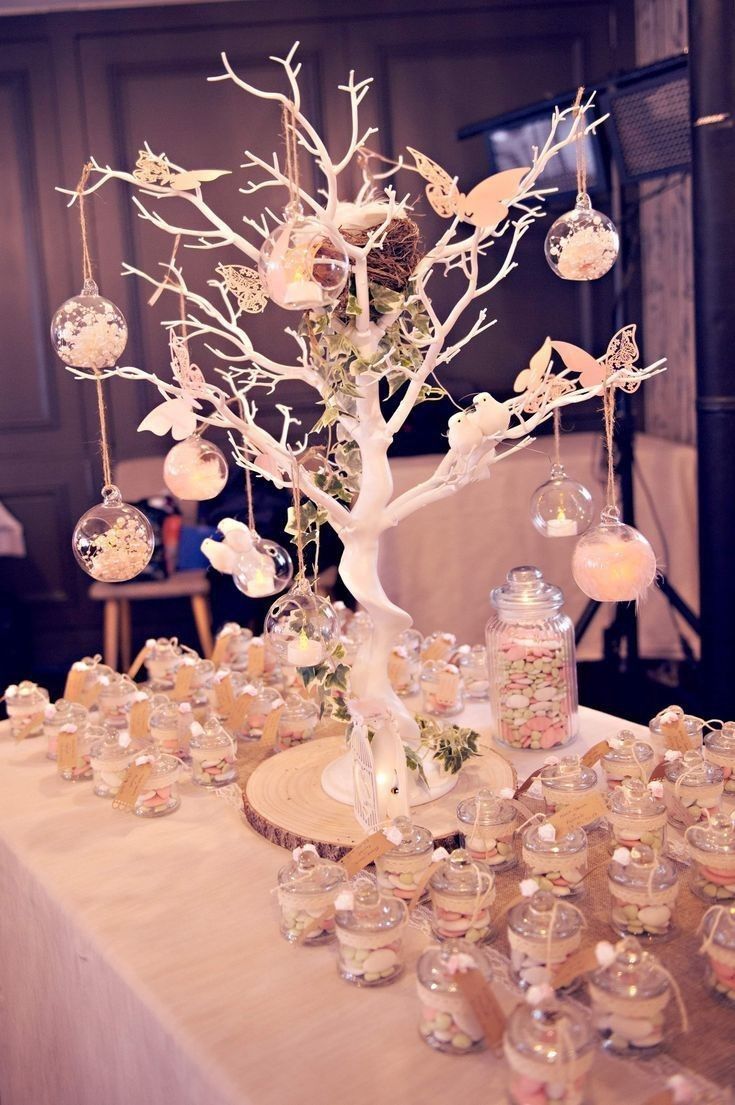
{"points": [[583, 244], [89, 331], [113, 541]]}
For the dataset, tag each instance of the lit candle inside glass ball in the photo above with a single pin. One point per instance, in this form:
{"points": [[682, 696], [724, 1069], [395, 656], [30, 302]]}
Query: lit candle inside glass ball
{"points": [[302, 265], [561, 507], [305, 653]]}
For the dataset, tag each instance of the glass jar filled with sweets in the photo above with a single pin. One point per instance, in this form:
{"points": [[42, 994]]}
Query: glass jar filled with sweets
{"points": [[630, 994], [718, 929], [117, 694], [74, 750], [86, 674], [297, 722], [201, 695], [164, 725], [441, 688], [566, 781], [531, 663], [487, 824], [643, 890], [161, 661], [438, 646], [543, 931], [160, 794], [448, 1022], [26, 704], [711, 848], [213, 755], [400, 869], [692, 788], [719, 749], [557, 864], [628, 758], [636, 815], [370, 928], [263, 700], [231, 646], [462, 892], [472, 660], [110, 757], [307, 887], [550, 1048], [403, 670], [62, 712], [672, 728]]}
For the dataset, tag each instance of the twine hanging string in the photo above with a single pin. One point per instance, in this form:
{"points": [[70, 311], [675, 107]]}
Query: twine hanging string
{"points": [[608, 408], [580, 146], [288, 124], [296, 489], [557, 437]]}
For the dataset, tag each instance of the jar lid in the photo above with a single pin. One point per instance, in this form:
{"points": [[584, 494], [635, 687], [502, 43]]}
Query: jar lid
{"points": [[718, 924], [438, 967], [546, 1033], [692, 725], [460, 874], [114, 747], [432, 668], [535, 841], [89, 663], [26, 693], [371, 910], [716, 835], [415, 839], [569, 774], [411, 640], [308, 873], [485, 808], [210, 735], [114, 683], [298, 706], [634, 798], [165, 769], [65, 708], [626, 748], [694, 770], [164, 714], [543, 913], [645, 869], [634, 973], [526, 594], [203, 670], [163, 644], [722, 740]]}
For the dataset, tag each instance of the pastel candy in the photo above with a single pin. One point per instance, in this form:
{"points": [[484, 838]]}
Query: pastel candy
{"points": [[381, 960]]}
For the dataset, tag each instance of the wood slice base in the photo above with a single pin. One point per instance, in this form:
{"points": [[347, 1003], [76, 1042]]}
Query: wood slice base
{"points": [[285, 803]]}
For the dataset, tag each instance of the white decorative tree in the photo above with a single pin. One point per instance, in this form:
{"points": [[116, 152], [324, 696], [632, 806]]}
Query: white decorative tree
{"points": [[375, 340]]}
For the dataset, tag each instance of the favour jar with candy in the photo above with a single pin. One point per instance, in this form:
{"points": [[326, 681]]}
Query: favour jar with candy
{"points": [[307, 886], [718, 927], [201, 694], [448, 1022], [78, 768], [438, 646], [711, 848], [185, 727], [117, 694], [297, 723], [719, 749], [26, 704], [566, 781], [550, 1049], [264, 701], [231, 646], [628, 758], [161, 661], [473, 669], [672, 728], [543, 932], [692, 788], [556, 864], [370, 927], [110, 757], [212, 752], [160, 794], [400, 869], [643, 888], [487, 823], [441, 687], [61, 713], [462, 892], [88, 670], [164, 726], [530, 652], [629, 994], [636, 816], [403, 670]]}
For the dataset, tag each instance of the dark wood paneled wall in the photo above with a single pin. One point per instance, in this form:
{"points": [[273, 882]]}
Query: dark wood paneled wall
{"points": [[104, 82]]}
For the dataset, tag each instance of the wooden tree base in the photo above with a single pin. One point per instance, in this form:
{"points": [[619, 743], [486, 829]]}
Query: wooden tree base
{"points": [[285, 803]]}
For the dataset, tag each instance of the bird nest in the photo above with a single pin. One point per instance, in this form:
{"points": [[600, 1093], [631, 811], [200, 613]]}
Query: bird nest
{"points": [[393, 262]]}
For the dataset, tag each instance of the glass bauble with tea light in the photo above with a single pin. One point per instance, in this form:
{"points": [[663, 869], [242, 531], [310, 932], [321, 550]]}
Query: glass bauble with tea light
{"points": [[561, 507], [195, 469], [583, 244], [613, 562], [301, 627], [302, 264], [263, 571], [89, 331], [113, 541]]}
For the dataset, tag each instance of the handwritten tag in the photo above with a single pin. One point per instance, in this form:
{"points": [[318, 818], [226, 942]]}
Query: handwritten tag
{"points": [[224, 695], [28, 726], [138, 719], [576, 964], [74, 686], [675, 735], [437, 650], [576, 815], [138, 662], [595, 753], [241, 707], [527, 782], [447, 687], [270, 727], [421, 885], [132, 787], [221, 649], [256, 659], [182, 683], [366, 852], [482, 1001], [66, 751]]}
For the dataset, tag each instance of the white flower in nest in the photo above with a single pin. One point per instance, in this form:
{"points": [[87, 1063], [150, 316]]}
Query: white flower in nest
{"points": [[364, 216]]}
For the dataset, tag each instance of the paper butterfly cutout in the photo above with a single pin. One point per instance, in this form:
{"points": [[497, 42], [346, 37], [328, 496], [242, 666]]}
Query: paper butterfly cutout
{"points": [[150, 169], [622, 353], [175, 416], [184, 182], [528, 379], [247, 287], [486, 205], [189, 375]]}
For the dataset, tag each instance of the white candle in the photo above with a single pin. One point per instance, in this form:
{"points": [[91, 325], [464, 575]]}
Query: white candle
{"points": [[262, 584], [561, 527], [303, 293], [304, 653]]}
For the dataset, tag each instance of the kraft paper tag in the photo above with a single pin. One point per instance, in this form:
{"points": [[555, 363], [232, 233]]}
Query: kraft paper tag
{"points": [[74, 686], [595, 753], [138, 719], [482, 1001], [447, 687], [437, 650], [138, 662], [366, 852], [241, 707], [421, 885], [680, 811], [395, 667], [28, 726], [576, 815], [182, 683], [576, 964], [132, 787], [527, 782], [66, 751], [523, 810], [256, 659], [225, 695], [675, 735], [663, 1097], [313, 926], [270, 727], [221, 649]]}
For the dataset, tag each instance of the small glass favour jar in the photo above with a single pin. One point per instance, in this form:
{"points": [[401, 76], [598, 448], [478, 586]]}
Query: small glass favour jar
{"points": [[117, 694], [550, 1049], [164, 726], [81, 768], [26, 704], [61, 713], [161, 661], [212, 752], [462, 892], [438, 646], [399, 870], [185, 726], [370, 927], [629, 997], [201, 694], [110, 757], [403, 671], [718, 928], [297, 723], [231, 646], [555, 865], [643, 888], [307, 886], [265, 700], [672, 728], [441, 687], [531, 664], [542, 932], [473, 669], [628, 758], [487, 824], [566, 782], [711, 848], [719, 749], [161, 793], [90, 668], [636, 816], [692, 789], [448, 1022]]}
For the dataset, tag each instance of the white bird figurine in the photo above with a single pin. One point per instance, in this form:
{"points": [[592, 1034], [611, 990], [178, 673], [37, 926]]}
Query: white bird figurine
{"points": [[492, 417], [464, 432]]}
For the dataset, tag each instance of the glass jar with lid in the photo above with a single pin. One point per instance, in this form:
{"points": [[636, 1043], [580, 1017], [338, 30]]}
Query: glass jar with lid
{"points": [[185, 727], [543, 931], [566, 781], [438, 646], [399, 870], [79, 768], [636, 816], [370, 928], [550, 1049], [711, 848], [643, 888], [531, 664], [212, 751], [201, 693], [462, 892], [164, 725], [231, 646], [472, 660], [487, 823], [718, 928], [307, 886], [297, 722], [692, 789], [556, 864], [62, 712], [628, 758], [263, 701], [161, 661], [117, 694], [448, 1022], [403, 670], [26, 704], [90, 669], [629, 997], [719, 749], [110, 757], [441, 687], [672, 728], [161, 793]]}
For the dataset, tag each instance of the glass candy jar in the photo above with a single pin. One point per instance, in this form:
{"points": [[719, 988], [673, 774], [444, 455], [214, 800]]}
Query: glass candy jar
{"points": [[643, 888], [231, 646], [672, 728], [692, 789], [438, 646], [473, 669], [530, 652], [110, 759], [117, 694], [200, 694], [264, 700], [628, 758], [718, 927], [80, 769], [462, 891], [711, 849], [307, 886], [543, 932], [555, 865], [448, 1022], [161, 661], [441, 687], [161, 793], [403, 670], [550, 1049], [212, 752], [629, 997], [719, 749], [636, 816], [90, 669], [400, 869], [565, 782], [26, 704], [61, 713], [297, 722], [487, 824], [370, 928], [164, 726]]}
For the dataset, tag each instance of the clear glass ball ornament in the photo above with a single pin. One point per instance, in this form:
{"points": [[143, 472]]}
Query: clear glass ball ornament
{"points": [[264, 571], [113, 541], [301, 627], [561, 507], [582, 244], [195, 469], [613, 562], [303, 265], [89, 331]]}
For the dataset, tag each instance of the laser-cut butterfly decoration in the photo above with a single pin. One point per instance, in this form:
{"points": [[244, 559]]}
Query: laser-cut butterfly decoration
{"points": [[153, 169], [621, 354], [485, 205], [246, 286]]}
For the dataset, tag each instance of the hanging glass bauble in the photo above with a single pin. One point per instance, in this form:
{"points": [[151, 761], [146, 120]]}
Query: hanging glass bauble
{"points": [[303, 265], [195, 469], [113, 541], [613, 562], [265, 570], [89, 331], [301, 626], [561, 507], [583, 244]]}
